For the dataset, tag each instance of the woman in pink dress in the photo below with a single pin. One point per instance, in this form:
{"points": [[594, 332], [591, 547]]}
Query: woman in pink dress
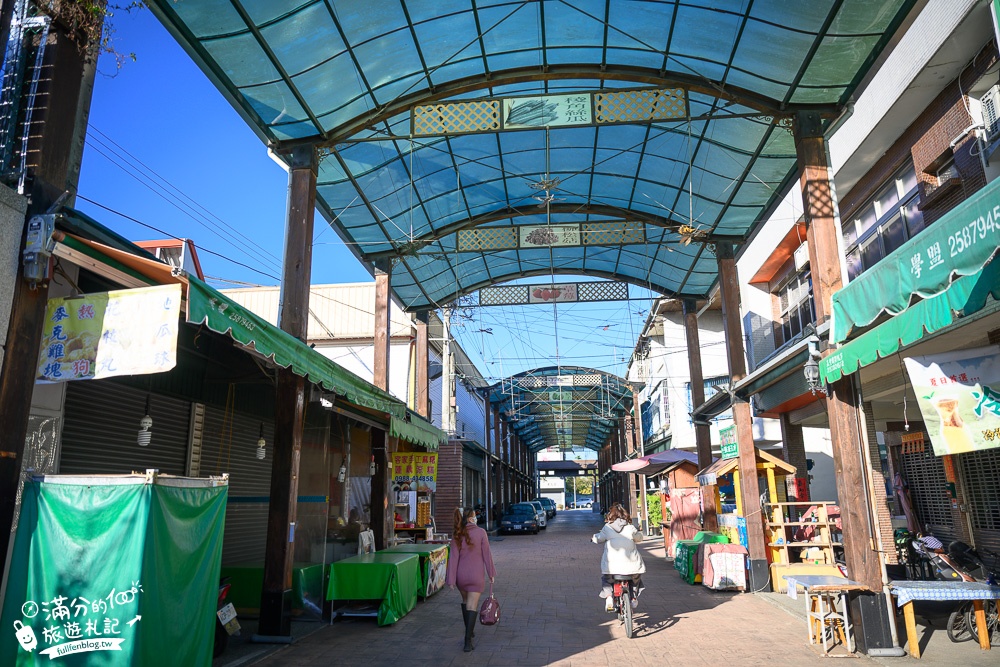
{"points": [[469, 560]]}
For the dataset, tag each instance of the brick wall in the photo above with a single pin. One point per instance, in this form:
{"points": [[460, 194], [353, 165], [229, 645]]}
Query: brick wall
{"points": [[449, 486], [926, 139]]}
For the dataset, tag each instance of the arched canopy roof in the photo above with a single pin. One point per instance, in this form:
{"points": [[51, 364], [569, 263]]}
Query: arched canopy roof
{"points": [[565, 406], [689, 105]]}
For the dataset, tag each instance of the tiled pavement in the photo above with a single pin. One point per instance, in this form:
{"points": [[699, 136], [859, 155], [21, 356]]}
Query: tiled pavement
{"points": [[547, 586]]}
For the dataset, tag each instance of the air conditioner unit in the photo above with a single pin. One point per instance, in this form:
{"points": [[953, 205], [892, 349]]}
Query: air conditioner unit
{"points": [[801, 257], [991, 112]]}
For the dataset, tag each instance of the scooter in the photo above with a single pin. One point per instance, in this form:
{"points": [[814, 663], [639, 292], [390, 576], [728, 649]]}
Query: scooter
{"points": [[961, 563], [225, 619]]}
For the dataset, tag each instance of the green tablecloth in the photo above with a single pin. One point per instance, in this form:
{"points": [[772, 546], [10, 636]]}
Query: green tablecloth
{"points": [[433, 564], [392, 578], [248, 579]]}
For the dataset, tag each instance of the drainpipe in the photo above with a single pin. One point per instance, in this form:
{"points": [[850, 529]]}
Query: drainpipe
{"points": [[446, 374]]}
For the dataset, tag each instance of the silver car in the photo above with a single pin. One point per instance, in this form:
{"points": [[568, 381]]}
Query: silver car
{"points": [[540, 512]]}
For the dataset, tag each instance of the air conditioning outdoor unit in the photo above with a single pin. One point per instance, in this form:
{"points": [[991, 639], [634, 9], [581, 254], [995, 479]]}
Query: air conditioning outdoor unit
{"points": [[991, 112], [801, 256]]}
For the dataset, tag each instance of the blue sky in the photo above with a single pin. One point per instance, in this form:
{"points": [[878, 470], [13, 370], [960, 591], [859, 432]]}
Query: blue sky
{"points": [[166, 149]]}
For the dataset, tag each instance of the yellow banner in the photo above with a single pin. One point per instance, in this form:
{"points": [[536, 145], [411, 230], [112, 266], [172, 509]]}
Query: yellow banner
{"points": [[414, 471], [124, 332]]}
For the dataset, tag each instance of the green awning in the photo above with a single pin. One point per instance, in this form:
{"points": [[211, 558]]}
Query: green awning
{"points": [[959, 244], [963, 297], [416, 431], [211, 308]]}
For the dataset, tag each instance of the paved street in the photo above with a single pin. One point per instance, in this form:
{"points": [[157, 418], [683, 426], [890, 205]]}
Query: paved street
{"points": [[547, 586]]}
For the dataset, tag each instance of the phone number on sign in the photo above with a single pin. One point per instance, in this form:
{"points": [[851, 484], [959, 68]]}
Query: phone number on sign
{"points": [[967, 236]]}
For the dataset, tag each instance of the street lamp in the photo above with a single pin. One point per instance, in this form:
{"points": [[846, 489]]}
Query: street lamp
{"points": [[811, 368]]}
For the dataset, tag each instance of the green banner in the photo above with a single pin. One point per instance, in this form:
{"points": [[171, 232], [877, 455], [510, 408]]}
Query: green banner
{"points": [[110, 571], [959, 244]]}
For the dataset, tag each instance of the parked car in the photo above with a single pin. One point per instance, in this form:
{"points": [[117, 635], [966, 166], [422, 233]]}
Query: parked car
{"points": [[581, 502], [549, 505], [542, 514], [520, 518]]}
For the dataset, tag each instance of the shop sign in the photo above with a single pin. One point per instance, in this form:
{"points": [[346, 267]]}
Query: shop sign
{"points": [[729, 448], [414, 471], [123, 332], [959, 397], [546, 110]]}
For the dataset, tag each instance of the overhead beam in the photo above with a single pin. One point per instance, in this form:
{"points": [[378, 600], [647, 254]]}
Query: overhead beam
{"points": [[617, 214], [561, 72]]}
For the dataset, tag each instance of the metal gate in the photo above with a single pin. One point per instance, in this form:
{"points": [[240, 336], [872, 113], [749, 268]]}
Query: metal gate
{"points": [[981, 481], [925, 476], [102, 422], [229, 444]]}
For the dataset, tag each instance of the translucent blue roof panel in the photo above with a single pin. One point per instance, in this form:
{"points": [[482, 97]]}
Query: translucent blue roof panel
{"points": [[346, 77]]}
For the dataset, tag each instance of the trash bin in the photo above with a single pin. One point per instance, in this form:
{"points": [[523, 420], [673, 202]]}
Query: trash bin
{"points": [[686, 554]]}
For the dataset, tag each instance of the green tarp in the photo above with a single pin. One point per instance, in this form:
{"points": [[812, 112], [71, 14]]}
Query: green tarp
{"points": [[965, 296], [393, 578], [959, 244], [113, 570], [417, 431], [222, 315]]}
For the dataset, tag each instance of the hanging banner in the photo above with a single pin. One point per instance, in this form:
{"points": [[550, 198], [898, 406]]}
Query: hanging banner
{"points": [[110, 571], [124, 332], [414, 471], [959, 397], [729, 449]]}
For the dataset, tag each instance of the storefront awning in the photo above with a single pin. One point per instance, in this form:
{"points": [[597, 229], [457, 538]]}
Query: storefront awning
{"points": [[211, 308], [960, 244], [416, 431], [655, 463], [709, 475], [963, 297]]}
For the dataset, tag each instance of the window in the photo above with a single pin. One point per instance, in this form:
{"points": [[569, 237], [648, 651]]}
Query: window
{"points": [[886, 222], [795, 305]]}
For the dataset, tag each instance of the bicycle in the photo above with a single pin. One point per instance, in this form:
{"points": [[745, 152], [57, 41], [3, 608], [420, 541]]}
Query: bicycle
{"points": [[622, 597], [962, 625]]}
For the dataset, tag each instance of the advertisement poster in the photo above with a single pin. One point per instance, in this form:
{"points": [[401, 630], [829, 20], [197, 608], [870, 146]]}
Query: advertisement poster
{"points": [[959, 397], [414, 471], [437, 571], [124, 332]]}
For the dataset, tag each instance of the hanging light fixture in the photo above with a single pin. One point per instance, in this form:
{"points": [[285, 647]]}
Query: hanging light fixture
{"points": [[371, 467], [146, 423], [261, 452], [811, 367], [342, 475]]}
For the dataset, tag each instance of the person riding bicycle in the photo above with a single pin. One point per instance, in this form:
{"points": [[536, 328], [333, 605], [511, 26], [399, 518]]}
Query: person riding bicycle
{"points": [[621, 557]]}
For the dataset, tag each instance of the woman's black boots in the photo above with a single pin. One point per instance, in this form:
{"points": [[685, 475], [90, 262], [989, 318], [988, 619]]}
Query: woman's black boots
{"points": [[470, 626], [464, 609]]}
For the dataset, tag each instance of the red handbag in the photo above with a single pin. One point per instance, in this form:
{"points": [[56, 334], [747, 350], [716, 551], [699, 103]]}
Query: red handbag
{"points": [[489, 611]]}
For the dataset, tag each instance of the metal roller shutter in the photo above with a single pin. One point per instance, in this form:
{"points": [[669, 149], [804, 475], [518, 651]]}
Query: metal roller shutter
{"points": [[925, 476], [229, 445], [101, 424], [981, 481]]}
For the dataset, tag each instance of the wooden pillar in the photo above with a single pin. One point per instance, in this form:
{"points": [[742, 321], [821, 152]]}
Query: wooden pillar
{"points": [[290, 400], [423, 401], [381, 507], [702, 432], [857, 517], [730, 290], [383, 273], [55, 147]]}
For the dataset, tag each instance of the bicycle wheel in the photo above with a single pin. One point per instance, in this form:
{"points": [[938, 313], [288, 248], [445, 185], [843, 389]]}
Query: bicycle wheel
{"points": [[958, 624], [627, 609], [992, 623]]}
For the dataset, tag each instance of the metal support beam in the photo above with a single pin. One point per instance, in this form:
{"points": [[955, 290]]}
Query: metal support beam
{"points": [[290, 400], [383, 274]]}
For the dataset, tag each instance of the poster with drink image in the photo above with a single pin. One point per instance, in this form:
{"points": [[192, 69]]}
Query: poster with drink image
{"points": [[959, 397]]}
